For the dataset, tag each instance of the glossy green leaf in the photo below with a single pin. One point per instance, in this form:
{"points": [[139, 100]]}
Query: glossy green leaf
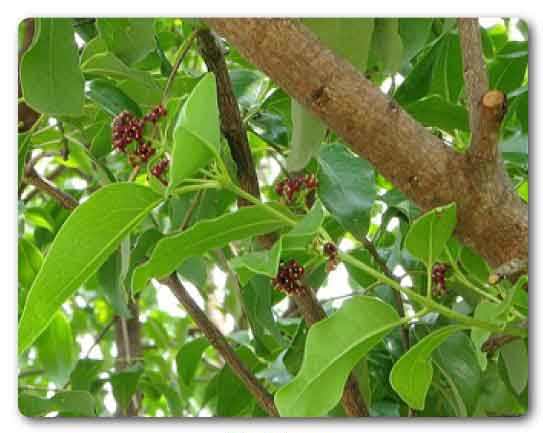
{"points": [[85, 241], [436, 112], [111, 280], [507, 72], [414, 33], [130, 39], [260, 263], [197, 132], [428, 234], [51, 80], [447, 74], [110, 98], [30, 260], [333, 347], [257, 302], [412, 374], [85, 374], [456, 359], [171, 251], [58, 364], [105, 64], [188, 358], [73, 403], [347, 188], [489, 312], [302, 234], [307, 134], [496, 397], [515, 357], [349, 38], [386, 45], [125, 385], [474, 264], [229, 385]]}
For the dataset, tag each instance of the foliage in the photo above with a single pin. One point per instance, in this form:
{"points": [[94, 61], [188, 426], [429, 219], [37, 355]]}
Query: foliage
{"points": [[87, 276]]}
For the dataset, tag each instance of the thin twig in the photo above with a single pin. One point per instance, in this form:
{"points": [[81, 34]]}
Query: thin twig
{"points": [[218, 341], [34, 179], [99, 337], [370, 247]]}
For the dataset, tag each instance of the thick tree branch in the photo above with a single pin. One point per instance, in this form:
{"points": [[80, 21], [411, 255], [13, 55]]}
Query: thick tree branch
{"points": [[419, 164], [231, 124], [486, 108], [218, 341], [34, 179]]}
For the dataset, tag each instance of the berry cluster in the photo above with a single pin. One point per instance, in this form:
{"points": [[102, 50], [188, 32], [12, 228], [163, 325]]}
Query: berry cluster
{"points": [[288, 188], [438, 278], [330, 250], [289, 278], [127, 128], [160, 168]]}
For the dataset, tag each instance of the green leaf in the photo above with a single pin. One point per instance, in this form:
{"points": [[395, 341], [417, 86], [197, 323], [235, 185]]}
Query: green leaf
{"points": [[474, 264], [188, 357], [428, 234], [110, 97], [347, 188], [30, 260], [229, 385], [86, 239], [295, 353], [197, 132], [333, 347], [307, 134], [359, 276], [437, 112], [74, 403], [51, 80], [58, 364], [488, 312], [130, 39], [125, 384], [105, 64], [111, 280], [447, 74], [349, 38], [302, 234], [515, 357], [412, 374], [257, 301], [172, 251], [507, 71], [85, 374], [386, 45], [260, 263], [457, 360], [496, 397], [414, 33]]}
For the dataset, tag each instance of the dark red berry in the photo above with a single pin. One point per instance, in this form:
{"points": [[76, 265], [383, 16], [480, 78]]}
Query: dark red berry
{"points": [[329, 249], [126, 128], [289, 278], [438, 279], [160, 167]]}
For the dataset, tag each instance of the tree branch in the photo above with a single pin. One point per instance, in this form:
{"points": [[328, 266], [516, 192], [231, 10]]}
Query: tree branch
{"points": [[34, 179], [420, 165], [486, 108], [128, 342], [231, 124], [218, 341]]}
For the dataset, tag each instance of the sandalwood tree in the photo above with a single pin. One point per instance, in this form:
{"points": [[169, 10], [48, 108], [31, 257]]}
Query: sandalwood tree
{"points": [[273, 217]]}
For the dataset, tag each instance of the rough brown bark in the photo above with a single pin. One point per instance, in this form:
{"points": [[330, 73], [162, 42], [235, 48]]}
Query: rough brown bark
{"points": [[129, 349], [218, 341], [475, 75], [231, 125], [34, 179], [491, 217]]}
